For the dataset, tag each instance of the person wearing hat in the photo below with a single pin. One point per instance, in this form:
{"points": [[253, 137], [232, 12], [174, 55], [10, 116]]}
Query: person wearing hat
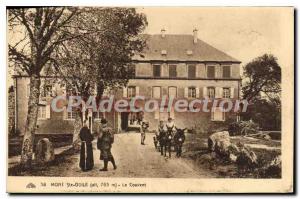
{"points": [[104, 144], [86, 162], [162, 137], [143, 129], [171, 128]]}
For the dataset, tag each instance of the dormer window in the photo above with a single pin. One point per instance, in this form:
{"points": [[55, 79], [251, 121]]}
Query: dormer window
{"points": [[189, 52], [163, 52]]}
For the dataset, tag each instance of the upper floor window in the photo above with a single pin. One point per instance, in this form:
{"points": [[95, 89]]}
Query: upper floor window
{"points": [[156, 92], [191, 71], [226, 93], [172, 71], [211, 71], [47, 91], [211, 92], [192, 92], [226, 71], [131, 70], [156, 70], [173, 91], [69, 90], [131, 91]]}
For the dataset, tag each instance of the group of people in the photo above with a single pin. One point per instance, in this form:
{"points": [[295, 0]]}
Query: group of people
{"points": [[169, 135], [105, 136]]}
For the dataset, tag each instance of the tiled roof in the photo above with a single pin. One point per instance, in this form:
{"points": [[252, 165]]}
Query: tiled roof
{"points": [[176, 47]]}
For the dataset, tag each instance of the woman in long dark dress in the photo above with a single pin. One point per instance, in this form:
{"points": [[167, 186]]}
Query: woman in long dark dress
{"points": [[86, 152]]}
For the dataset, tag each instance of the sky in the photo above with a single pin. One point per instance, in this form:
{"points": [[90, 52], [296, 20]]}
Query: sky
{"points": [[244, 33]]}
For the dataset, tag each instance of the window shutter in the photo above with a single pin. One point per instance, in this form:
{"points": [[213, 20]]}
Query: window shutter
{"points": [[186, 92], [217, 92], [204, 91], [197, 93], [172, 114], [212, 115], [65, 113], [221, 92], [137, 91], [48, 111], [156, 114], [125, 92], [231, 92]]}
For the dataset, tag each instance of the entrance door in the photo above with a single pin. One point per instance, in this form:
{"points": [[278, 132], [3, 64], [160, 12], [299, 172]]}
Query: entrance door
{"points": [[124, 121]]}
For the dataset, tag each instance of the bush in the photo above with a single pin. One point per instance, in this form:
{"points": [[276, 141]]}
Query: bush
{"points": [[242, 128]]}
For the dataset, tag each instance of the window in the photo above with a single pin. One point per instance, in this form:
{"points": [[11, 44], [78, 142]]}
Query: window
{"points": [[99, 115], [156, 92], [217, 114], [42, 112], [226, 71], [69, 90], [131, 70], [131, 92], [192, 92], [156, 70], [211, 71], [47, 91], [226, 93], [173, 92], [211, 92], [71, 114], [191, 71], [172, 71]]}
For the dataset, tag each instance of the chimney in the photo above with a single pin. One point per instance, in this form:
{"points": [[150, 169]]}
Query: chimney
{"points": [[195, 33], [163, 31]]}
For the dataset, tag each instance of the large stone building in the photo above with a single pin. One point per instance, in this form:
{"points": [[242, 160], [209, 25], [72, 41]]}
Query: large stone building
{"points": [[181, 66]]}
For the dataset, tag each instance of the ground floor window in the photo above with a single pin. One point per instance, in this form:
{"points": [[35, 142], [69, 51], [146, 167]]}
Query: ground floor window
{"points": [[42, 112], [226, 93], [131, 92], [217, 114], [211, 92], [192, 92], [71, 114], [99, 115]]}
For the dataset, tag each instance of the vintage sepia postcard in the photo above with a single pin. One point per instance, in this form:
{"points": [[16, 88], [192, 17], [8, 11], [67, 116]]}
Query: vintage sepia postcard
{"points": [[150, 99]]}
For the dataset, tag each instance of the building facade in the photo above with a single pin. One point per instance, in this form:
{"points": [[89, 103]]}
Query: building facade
{"points": [[175, 66]]}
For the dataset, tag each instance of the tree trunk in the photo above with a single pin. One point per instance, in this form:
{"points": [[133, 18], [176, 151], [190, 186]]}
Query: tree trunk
{"points": [[28, 140], [77, 128]]}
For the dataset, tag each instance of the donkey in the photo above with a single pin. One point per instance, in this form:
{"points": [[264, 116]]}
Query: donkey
{"points": [[179, 139]]}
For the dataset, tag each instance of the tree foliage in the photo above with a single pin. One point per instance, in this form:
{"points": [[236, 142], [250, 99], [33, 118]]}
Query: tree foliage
{"points": [[263, 90], [103, 57], [263, 77]]}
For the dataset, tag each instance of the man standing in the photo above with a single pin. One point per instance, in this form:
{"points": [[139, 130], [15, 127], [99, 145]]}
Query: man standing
{"points": [[170, 134], [162, 137], [104, 144], [143, 129]]}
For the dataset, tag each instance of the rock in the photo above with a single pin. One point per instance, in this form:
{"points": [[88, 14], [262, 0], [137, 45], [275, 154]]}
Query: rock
{"points": [[222, 138], [266, 137], [274, 168], [44, 151], [232, 157], [247, 159]]}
